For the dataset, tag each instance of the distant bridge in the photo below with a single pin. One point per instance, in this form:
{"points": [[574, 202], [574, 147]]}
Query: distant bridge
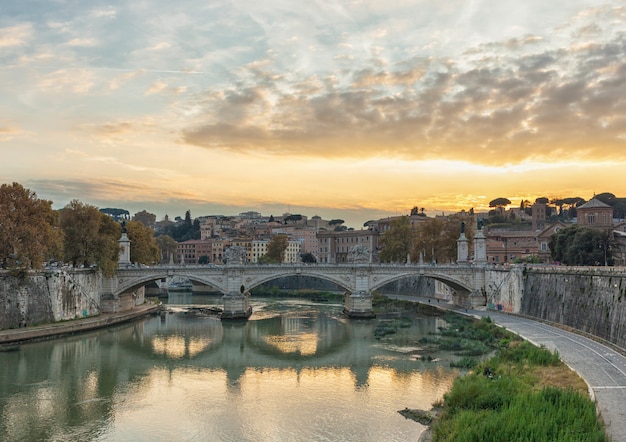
{"points": [[359, 281]]}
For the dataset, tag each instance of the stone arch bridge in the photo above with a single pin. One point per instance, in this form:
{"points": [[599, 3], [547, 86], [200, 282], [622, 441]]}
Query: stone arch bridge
{"points": [[235, 281]]}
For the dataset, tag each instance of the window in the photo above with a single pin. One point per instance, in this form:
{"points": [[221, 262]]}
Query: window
{"points": [[591, 218]]}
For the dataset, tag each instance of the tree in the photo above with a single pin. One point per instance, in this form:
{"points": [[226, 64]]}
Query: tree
{"points": [[90, 237], [333, 222], [428, 240], [276, 248], [397, 242], [29, 233], [143, 247], [292, 218], [167, 247], [436, 238], [184, 229], [80, 223], [582, 246], [117, 214], [308, 258], [107, 246], [499, 202], [606, 198]]}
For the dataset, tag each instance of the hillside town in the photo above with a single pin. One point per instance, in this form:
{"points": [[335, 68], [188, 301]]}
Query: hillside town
{"points": [[513, 235]]}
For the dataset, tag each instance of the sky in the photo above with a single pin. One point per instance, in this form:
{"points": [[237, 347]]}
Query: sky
{"points": [[354, 109]]}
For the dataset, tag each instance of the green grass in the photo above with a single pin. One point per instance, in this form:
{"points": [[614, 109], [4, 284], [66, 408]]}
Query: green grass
{"points": [[515, 404]]}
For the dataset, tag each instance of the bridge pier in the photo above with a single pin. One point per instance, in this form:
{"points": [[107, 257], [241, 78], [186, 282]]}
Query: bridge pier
{"points": [[358, 305], [472, 299], [237, 306]]}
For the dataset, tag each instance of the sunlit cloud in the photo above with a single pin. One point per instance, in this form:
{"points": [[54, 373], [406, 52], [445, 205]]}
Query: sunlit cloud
{"points": [[76, 81], [17, 35], [156, 87], [8, 133], [369, 106]]}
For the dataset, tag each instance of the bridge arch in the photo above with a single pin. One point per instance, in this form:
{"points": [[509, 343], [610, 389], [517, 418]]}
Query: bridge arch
{"points": [[255, 282], [143, 280], [457, 284]]}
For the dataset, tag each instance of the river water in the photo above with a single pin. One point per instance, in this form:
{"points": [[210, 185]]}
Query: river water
{"points": [[296, 371]]}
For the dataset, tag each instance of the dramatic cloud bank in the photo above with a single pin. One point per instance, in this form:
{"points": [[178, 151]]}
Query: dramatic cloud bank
{"points": [[366, 105]]}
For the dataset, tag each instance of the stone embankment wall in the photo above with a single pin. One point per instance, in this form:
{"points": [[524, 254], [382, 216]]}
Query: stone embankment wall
{"points": [[48, 297], [589, 299], [504, 288]]}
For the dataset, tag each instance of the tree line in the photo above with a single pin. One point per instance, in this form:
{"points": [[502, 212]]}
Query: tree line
{"points": [[432, 239], [33, 234]]}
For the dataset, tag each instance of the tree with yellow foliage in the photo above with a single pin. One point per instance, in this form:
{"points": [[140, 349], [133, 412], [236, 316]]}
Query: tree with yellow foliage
{"points": [[29, 234]]}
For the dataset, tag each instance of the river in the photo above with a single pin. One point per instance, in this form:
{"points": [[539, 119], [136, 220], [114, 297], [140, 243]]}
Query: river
{"points": [[296, 371]]}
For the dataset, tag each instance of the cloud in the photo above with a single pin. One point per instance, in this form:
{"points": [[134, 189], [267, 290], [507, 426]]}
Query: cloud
{"points": [[82, 42], [156, 88], [8, 132], [122, 79], [76, 81], [17, 35], [493, 106]]}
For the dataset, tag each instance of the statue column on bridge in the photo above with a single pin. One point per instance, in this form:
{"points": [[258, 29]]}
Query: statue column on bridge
{"points": [[124, 243], [480, 248], [462, 247]]}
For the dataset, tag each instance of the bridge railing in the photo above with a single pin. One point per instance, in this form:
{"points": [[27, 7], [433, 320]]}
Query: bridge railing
{"points": [[300, 265]]}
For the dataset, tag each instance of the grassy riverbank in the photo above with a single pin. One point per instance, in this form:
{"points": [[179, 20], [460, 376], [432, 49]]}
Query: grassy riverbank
{"points": [[521, 393]]}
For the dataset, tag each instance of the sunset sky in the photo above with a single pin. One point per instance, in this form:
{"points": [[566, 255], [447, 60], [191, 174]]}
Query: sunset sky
{"points": [[355, 109]]}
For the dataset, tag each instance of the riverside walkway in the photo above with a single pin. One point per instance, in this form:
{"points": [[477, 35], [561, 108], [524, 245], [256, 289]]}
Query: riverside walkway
{"points": [[36, 332], [602, 367]]}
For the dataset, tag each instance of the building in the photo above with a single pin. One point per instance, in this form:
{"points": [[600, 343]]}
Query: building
{"points": [[305, 235], [595, 214], [333, 247], [506, 246], [539, 212], [189, 252]]}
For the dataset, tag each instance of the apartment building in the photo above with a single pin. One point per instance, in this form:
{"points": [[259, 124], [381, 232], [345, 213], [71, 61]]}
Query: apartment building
{"points": [[305, 235], [189, 252], [333, 247]]}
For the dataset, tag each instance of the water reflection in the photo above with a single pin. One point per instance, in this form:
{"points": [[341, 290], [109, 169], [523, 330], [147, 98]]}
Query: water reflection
{"points": [[297, 373]]}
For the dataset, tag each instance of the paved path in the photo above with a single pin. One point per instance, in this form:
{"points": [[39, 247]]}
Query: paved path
{"points": [[16, 335], [603, 368]]}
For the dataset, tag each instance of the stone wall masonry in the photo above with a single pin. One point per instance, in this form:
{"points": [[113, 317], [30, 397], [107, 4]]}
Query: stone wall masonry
{"points": [[47, 297], [588, 299], [503, 288]]}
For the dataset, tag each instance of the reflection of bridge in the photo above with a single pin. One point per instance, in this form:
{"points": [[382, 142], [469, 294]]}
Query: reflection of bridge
{"points": [[359, 280]]}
